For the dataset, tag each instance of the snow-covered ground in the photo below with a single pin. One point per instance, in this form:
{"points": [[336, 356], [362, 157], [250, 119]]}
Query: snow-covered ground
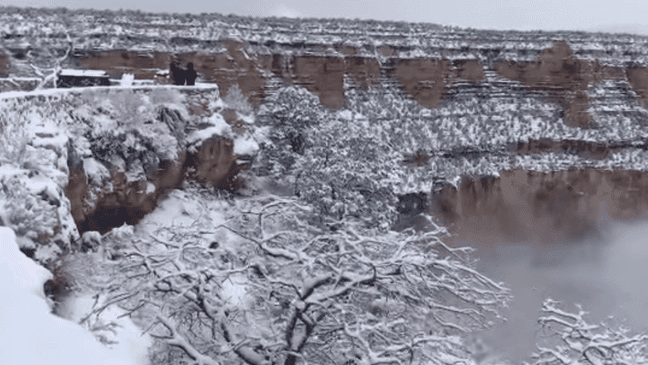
{"points": [[31, 334], [184, 209]]}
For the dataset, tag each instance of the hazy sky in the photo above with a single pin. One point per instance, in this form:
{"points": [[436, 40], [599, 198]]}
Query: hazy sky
{"points": [[589, 15]]}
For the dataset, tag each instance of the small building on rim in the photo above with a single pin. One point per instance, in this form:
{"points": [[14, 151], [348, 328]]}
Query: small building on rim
{"points": [[80, 78]]}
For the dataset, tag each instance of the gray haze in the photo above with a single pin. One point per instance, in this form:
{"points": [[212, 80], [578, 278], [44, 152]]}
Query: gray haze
{"points": [[606, 273], [589, 15]]}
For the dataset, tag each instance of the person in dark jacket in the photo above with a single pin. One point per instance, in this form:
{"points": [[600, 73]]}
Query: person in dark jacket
{"points": [[191, 74], [178, 74]]}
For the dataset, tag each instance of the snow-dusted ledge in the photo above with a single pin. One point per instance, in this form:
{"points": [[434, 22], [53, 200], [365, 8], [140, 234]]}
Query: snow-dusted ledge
{"points": [[44, 92], [30, 334]]}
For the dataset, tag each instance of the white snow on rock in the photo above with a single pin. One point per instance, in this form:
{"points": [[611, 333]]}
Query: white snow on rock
{"points": [[219, 127], [345, 114], [245, 145], [249, 119], [87, 73], [95, 170], [150, 187], [40, 201], [30, 334]]}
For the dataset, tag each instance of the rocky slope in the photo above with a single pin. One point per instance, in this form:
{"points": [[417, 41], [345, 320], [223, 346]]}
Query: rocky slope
{"points": [[91, 160]]}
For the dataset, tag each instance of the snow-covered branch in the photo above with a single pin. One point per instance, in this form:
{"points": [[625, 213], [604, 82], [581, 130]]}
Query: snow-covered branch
{"points": [[49, 72], [278, 287], [576, 341]]}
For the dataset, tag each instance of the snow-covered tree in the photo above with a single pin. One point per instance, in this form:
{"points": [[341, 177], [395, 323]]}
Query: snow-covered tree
{"points": [[235, 99], [576, 341], [342, 163], [350, 169], [267, 285], [288, 115], [46, 63]]}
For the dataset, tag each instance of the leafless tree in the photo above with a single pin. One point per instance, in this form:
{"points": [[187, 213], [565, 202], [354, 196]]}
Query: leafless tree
{"points": [[46, 64], [268, 286], [577, 342]]}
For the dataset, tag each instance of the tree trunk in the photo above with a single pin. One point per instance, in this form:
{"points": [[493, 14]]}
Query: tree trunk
{"points": [[290, 360]]}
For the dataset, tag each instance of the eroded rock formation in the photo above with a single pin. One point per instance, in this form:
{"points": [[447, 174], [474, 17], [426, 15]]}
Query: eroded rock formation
{"points": [[4, 64], [540, 207], [638, 78], [564, 78], [215, 164], [118, 200], [122, 173]]}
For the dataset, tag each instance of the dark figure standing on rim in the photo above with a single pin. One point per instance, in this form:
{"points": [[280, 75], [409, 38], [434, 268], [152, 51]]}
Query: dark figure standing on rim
{"points": [[177, 73], [190, 74], [181, 76]]}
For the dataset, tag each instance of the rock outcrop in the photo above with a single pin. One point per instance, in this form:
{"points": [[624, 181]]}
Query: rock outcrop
{"points": [[73, 162], [33, 177], [214, 164], [4, 64], [127, 172], [564, 78], [540, 207], [638, 78]]}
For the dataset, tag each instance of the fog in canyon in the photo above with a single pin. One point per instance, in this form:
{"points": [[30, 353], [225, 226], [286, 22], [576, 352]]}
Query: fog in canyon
{"points": [[575, 253]]}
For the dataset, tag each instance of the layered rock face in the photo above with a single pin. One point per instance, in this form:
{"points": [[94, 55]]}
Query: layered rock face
{"points": [[556, 74], [328, 56], [487, 94], [565, 79], [541, 207], [4, 64]]}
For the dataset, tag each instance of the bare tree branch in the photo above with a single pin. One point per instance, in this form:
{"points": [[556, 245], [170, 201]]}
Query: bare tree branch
{"points": [[276, 285]]}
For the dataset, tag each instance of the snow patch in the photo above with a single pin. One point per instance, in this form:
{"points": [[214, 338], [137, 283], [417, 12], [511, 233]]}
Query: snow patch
{"points": [[88, 73], [127, 80], [249, 119], [31, 334], [219, 128], [245, 146], [150, 188], [127, 337], [234, 291], [176, 209], [95, 170]]}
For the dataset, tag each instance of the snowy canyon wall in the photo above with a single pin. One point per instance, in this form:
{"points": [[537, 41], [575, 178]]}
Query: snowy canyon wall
{"points": [[556, 73], [328, 56], [532, 206], [131, 172], [590, 89]]}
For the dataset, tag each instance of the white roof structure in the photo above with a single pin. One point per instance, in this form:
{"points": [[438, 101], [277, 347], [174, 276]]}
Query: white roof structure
{"points": [[81, 73]]}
